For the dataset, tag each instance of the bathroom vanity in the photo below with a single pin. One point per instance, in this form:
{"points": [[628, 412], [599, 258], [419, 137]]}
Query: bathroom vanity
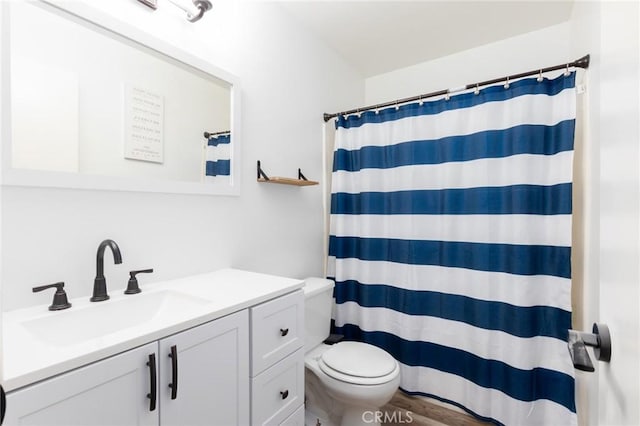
{"points": [[220, 348]]}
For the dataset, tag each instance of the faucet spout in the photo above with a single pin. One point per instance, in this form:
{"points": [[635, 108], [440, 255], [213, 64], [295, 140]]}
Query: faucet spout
{"points": [[100, 283]]}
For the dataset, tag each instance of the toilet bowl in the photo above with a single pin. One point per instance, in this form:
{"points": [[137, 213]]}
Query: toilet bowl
{"points": [[345, 383], [357, 385]]}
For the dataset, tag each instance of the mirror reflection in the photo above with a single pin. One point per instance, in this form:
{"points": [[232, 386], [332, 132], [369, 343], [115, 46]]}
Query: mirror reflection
{"points": [[87, 101]]}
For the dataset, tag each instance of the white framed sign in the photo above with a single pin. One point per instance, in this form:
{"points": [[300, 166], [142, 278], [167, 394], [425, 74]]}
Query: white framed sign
{"points": [[144, 123]]}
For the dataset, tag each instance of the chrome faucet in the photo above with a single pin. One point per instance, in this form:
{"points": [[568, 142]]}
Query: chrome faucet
{"points": [[100, 283]]}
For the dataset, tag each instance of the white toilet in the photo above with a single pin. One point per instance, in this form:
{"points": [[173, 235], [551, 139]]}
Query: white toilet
{"points": [[345, 383]]}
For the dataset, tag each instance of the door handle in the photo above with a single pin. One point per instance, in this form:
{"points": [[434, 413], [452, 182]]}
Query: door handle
{"points": [[174, 372], [153, 394]]}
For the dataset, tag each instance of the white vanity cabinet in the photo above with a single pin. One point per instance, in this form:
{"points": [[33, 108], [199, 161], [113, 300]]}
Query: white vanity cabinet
{"points": [[210, 366], [109, 392], [227, 348], [277, 361]]}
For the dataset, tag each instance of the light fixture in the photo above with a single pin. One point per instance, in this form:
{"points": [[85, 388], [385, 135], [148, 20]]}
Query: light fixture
{"points": [[202, 6]]}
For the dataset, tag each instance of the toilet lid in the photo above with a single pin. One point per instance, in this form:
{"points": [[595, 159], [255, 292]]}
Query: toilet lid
{"points": [[358, 359]]}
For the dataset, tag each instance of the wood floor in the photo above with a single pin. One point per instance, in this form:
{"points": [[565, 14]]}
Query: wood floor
{"points": [[404, 410]]}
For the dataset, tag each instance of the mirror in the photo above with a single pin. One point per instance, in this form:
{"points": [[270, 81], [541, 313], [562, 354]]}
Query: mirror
{"points": [[92, 108]]}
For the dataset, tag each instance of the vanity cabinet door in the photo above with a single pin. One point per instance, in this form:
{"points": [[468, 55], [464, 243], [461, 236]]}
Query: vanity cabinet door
{"points": [[210, 365], [110, 392]]}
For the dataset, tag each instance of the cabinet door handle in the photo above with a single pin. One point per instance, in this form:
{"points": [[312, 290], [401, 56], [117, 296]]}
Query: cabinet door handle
{"points": [[284, 331], [174, 372], [284, 394], [153, 395], [3, 404]]}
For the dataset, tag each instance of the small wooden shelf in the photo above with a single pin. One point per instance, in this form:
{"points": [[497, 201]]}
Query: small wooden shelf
{"points": [[288, 181], [301, 181]]}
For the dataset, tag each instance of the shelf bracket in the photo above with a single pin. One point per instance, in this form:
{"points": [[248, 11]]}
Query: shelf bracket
{"points": [[301, 176], [261, 173]]}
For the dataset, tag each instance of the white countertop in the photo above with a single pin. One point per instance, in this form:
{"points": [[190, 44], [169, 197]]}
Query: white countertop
{"points": [[28, 358]]}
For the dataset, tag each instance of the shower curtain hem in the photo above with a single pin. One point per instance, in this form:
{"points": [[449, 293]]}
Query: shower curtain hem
{"points": [[457, 404]]}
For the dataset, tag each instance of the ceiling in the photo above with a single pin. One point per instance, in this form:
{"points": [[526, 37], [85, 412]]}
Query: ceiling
{"points": [[380, 36]]}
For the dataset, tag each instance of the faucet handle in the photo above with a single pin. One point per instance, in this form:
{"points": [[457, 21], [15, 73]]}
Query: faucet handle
{"points": [[132, 285], [60, 300]]}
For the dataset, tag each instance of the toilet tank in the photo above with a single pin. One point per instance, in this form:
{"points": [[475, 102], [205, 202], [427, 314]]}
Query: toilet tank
{"points": [[318, 302]]}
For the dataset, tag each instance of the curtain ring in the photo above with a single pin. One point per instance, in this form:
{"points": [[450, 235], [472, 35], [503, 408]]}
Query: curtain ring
{"points": [[540, 77], [421, 102], [397, 106], [566, 73], [477, 90], [447, 96], [506, 85], [358, 113]]}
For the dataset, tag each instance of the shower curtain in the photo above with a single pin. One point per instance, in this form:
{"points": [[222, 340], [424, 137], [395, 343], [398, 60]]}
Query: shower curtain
{"points": [[450, 246], [218, 155]]}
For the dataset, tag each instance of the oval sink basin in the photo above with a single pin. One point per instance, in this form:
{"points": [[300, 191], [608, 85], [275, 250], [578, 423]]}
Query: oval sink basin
{"points": [[76, 325]]}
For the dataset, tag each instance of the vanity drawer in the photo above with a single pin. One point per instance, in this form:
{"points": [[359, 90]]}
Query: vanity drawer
{"points": [[279, 391], [277, 330], [296, 419]]}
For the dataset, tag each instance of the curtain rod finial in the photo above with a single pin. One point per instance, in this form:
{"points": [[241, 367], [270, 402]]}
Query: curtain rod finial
{"points": [[583, 62]]}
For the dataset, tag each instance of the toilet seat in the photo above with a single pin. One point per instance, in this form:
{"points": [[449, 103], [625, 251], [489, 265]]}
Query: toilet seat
{"points": [[358, 363]]}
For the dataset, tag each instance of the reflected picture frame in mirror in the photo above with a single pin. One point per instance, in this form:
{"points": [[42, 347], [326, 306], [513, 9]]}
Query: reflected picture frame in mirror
{"points": [[141, 143]]}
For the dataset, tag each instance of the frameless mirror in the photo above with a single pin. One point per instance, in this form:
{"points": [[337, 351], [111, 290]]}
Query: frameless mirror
{"points": [[102, 105]]}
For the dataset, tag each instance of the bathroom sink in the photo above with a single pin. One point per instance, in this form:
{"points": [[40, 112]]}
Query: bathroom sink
{"points": [[76, 325]]}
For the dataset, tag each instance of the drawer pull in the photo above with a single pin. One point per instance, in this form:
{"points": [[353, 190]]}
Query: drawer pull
{"points": [[284, 394], [284, 331]]}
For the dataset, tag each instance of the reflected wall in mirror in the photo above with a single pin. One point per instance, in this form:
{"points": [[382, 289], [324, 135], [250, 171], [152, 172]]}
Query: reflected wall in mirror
{"points": [[92, 108]]}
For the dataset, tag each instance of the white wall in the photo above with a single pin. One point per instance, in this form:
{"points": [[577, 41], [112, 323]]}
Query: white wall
{"points": [[288, 80], [546, 47], [611, 205], [617, 110], [4, 102]]}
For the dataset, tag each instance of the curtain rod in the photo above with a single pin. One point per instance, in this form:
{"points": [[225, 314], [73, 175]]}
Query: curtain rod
{"points": [[209, 134], [580, 63]]}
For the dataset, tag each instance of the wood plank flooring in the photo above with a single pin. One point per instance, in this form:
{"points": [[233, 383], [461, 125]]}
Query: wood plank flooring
{"points": [[405, 410]]}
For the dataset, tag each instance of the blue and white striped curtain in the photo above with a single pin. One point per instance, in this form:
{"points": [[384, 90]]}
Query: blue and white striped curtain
{"points": [[450, 246], [218, 156]]}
